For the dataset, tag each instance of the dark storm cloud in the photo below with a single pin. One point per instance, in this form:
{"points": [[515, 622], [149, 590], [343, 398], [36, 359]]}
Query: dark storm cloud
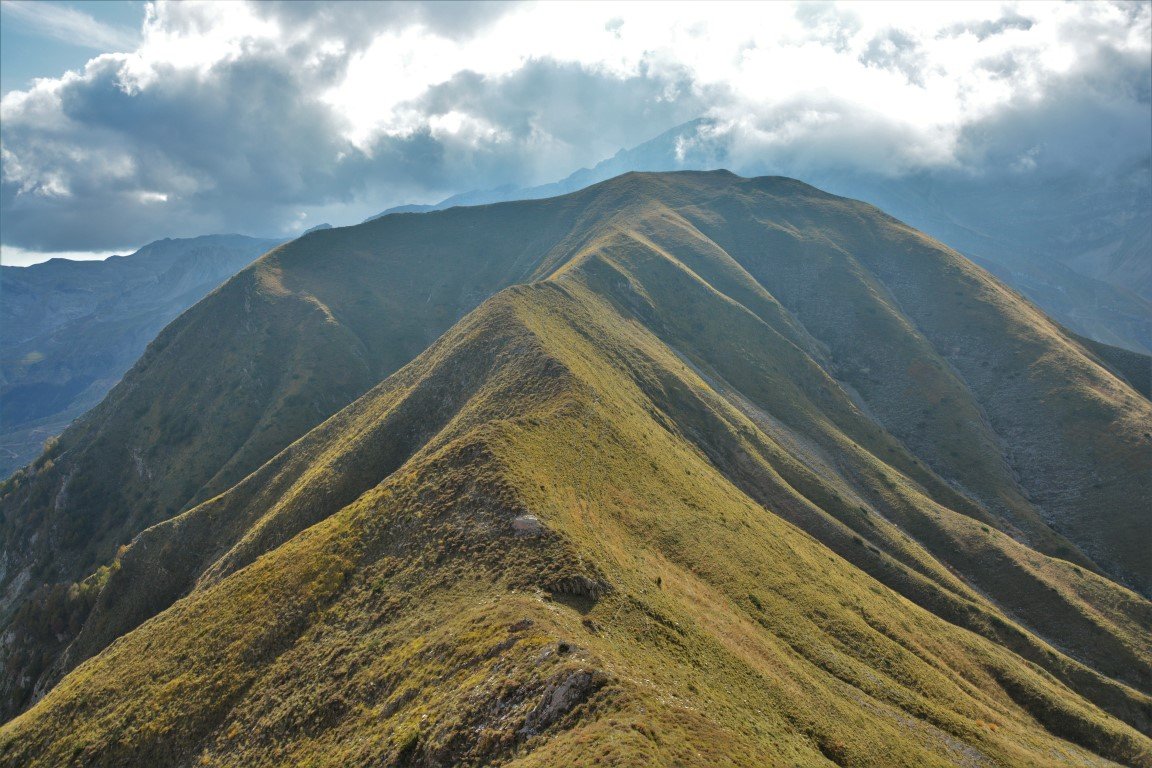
{"points": [[227, 151], [897, 51], [989, 27], [240, 148], [248, 147]]}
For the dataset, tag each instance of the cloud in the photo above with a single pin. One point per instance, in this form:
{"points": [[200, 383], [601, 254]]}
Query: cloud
{"points": [[254, 117], [895, 50], [11, 256], [69, 25], [556, 115], [986, 28], [355, 22]]}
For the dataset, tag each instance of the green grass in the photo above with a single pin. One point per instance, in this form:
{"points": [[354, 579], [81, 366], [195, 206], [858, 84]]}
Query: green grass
{"points": [[746, 562]]}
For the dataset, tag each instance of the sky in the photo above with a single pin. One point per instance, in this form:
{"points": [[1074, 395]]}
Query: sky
{"points": [[126, 122]]}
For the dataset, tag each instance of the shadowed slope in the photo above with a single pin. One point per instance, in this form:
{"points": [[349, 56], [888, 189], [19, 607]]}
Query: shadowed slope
{"points": [[282, 346], [70, 329]]}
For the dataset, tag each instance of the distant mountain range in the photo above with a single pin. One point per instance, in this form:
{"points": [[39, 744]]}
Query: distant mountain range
{"points": [[70, 329], [1080, 247], [678, 469]]}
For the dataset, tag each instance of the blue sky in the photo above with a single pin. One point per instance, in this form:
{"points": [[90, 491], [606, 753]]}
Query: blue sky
{"points": [[37, 40], [168, 119]]}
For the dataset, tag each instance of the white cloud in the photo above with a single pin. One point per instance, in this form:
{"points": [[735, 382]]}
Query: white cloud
{"points": [[766, 57], [195, 36], [232, 115]]}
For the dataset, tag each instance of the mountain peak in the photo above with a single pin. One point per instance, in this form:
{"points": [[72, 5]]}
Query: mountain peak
{"points": [[781, 454]]}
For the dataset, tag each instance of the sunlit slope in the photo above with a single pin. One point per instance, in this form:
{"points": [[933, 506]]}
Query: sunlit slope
{"points": [[275, 351], [368, 601], [850, 377], [282, 346]]}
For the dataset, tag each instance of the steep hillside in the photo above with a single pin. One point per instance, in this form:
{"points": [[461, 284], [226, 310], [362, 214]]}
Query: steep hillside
{"points": [[275, 351], [70, 329], [1078, 246], [804, 485], [279, 348]]}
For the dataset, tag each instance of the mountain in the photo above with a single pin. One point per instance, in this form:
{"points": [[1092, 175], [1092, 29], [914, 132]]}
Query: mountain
{"points": [[70, 329], [662, 153], [679, 469], [1079, 246]]}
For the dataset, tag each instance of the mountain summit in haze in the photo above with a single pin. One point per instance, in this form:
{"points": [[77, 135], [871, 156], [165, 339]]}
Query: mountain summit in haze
{"points": [[679, 469]]}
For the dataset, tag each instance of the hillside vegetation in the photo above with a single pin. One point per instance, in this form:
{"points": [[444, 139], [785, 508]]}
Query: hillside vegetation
{"points": [[1075, 244], [70, 329], [683, 469]]}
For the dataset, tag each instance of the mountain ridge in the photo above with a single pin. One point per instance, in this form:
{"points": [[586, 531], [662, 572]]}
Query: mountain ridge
{"points": [[662, 358], [1083, 260]]}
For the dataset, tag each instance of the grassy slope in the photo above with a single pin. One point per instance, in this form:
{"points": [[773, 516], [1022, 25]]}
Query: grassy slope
{"points": [[739, 379], [72, 329], [312, 326], [279, 348], [664, 618], [288, 342]]}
